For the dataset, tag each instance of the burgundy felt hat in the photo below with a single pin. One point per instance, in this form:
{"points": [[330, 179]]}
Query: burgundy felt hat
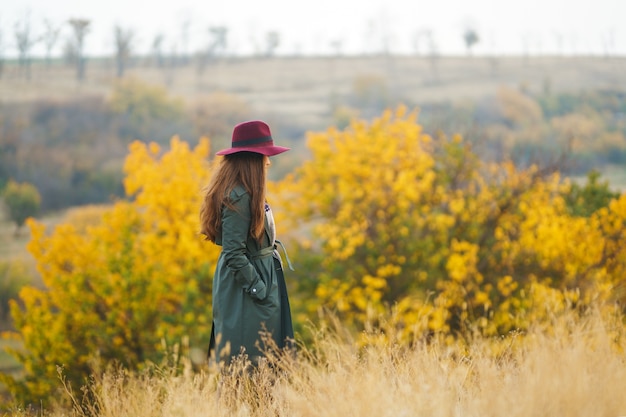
{"points": [[253, 136]]}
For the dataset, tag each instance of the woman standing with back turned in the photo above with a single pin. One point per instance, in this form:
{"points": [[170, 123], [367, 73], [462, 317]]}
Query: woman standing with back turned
{"points": [[249, 292]]}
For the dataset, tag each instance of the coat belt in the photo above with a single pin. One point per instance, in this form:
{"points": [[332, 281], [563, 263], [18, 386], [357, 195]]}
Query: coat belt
{"points": [[269, 251], [263, 253]]}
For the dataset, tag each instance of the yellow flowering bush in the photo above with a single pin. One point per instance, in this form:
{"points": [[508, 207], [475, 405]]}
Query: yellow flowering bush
{"points": [[420, 225], [118, 290]]}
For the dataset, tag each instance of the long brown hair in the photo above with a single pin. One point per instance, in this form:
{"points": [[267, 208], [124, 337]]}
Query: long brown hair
{"points": [[242, 168]]}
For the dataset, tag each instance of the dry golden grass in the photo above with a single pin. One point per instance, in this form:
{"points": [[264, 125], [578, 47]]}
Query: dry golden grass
{"points": [[574, 368]]}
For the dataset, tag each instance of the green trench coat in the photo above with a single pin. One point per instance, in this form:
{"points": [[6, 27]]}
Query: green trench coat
{"points": [[249, 291]]}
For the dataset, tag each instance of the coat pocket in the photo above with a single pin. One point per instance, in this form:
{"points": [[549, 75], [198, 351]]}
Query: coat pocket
{"points": [[266, 278]]}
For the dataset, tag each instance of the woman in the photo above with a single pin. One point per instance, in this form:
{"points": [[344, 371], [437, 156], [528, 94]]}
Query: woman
{"points": [[250, 305]]}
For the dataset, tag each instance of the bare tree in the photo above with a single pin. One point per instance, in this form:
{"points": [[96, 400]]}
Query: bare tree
{"points": [[218, 40], [172, 62], [80, 28], [185, 28], [471, 38], [272, 41], [433, 55], [386, 35], [123, 48], [370, 37], [1, 52], [50, 37], [419, 36], [608, 42], [24, 41], [336, 45], [526, 47], [573, 40], [157, 50], [558, 40], [427, 36]]}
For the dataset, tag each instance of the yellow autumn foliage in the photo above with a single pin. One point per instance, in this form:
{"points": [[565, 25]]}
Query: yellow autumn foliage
{"points": [[420, 226], [119, 289]]}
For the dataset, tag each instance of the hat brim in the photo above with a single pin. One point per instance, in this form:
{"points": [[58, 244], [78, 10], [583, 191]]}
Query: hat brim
{"points": [[263, 150]]}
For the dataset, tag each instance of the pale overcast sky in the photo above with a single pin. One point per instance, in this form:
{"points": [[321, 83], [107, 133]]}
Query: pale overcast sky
{"points": [[504, 26]]}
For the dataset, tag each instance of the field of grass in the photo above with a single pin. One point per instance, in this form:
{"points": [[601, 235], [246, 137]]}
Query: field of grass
{"points": [[576, 368]]}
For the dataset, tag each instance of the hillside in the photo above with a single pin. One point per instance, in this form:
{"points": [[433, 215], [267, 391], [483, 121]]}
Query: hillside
{"points": [[305, 89]]}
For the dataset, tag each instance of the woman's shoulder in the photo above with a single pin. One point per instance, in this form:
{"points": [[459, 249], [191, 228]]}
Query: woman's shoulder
{"points": [[238, 193]]}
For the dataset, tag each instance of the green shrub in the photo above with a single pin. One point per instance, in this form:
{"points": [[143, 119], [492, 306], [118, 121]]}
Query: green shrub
{"points": [[22, 201], [13, 276], [586, 200]]}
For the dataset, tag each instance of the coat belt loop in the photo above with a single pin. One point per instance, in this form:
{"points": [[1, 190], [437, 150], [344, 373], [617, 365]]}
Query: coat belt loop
{"points": [[286, 255]]}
